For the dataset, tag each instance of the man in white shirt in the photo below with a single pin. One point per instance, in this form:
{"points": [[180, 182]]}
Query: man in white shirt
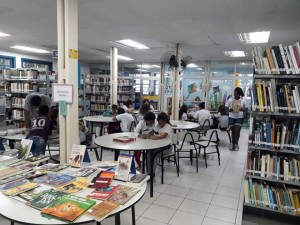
{"points": [[124, 119], [202, 114]]}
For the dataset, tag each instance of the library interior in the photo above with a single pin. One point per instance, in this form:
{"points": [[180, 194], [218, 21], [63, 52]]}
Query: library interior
{"points": [[157, 112]]}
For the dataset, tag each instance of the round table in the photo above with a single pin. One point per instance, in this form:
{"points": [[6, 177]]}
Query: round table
{"points": [[139, 144], [16, 211], [183, 125], [99, 119]]}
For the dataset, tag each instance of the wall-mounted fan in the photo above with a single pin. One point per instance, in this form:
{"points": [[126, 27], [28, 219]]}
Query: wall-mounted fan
{"points": [[170, 61]]}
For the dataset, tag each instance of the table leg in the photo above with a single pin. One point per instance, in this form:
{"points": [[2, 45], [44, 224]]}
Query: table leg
{"points": [[151, 173], [98, 223], [133, 214], [144, 160], [12, 222], [117, 219], [101, 129], [92, 128]]}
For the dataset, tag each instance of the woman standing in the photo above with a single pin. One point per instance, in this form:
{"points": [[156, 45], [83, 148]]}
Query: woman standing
{"points": [[236, 106]]}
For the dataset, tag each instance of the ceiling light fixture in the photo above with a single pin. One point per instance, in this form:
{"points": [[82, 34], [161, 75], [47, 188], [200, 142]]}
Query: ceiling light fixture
{"points": [[132, 44], [254, 37], [156, 66], [141, 70], [29, 49], [122, 57], [144, 66], [4, 34], [235, 53], [199, 68], [192, 65]]}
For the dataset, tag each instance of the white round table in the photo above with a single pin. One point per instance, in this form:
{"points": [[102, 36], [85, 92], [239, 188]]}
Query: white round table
{"points": [[139, 144], [99, 119], [183, 125], [16, 211]]}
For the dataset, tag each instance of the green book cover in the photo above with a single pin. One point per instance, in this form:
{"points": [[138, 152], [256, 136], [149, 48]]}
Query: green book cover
{"points": [[68, 208]]}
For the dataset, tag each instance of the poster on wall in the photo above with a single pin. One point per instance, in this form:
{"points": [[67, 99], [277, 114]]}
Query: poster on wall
{"points": [[168, 85], [192, 92], [219, 93]]}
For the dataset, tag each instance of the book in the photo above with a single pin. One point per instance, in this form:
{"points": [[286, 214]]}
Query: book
{"points": [[56, 180], [68, 208], [35, 174], [11, 178], [13, 184], [236, 105], [101, 182], [45, 198], [6, 171], [19, 189], [52, 167], [33, 193], [106, 164], [77, 185], [138, 180], [24, 149], [124, 165], [83, 172], [124, 139], [103, 193], [76, 156], [102, 210], [38, 159], [123, 194]]}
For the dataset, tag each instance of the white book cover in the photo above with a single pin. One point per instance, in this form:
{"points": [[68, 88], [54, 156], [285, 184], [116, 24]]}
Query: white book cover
{"points": [[297, 97], [24, 149], [123, 167], [291, 51], [284, 59], [275, 61], [77, 154], [289, 59]]}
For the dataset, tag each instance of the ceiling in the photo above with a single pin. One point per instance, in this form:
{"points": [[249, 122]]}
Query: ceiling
{"points": [[205, 28]]}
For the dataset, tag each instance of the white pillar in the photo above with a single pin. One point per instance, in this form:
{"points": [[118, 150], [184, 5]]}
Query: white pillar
{"points": [[67, 35], [161, 93], [176, 85], [113, 75]]}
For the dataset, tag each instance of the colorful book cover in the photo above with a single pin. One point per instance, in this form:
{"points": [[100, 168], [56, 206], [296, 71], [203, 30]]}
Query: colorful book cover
{"points": [[33, 193], [22, 188], [25, 149], [77, 154], [123, 167], [13, 184], [101, 210], [56, 180], [6, 171], [77, 185], [123, 194], [11, 178], [104, 193], [45, 199], [83, 172], [101, 182], [68, 208]]}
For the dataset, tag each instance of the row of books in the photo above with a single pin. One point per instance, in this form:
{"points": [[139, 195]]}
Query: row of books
{"points": [[267, 96], [99, 98], [21, 74], [277, 60], [277, 134], [17, 114], [98, 106], [277, 167], [98, 80], [281, 198], [125, 89], [125, 82], [95, 88], [21, 87]]}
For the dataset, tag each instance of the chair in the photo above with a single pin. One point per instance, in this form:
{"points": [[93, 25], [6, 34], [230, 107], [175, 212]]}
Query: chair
{"points": [[131, 125], [94, 147], [212, 141], [185, 142], [227, 129], [168, 158], [204, 127]]}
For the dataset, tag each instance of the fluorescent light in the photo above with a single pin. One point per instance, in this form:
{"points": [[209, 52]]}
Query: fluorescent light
{"points": [[192, 65], [132, 44], [121, 57], [29, 49], [235, 53], [156, 66], [254, 37], [142, 70], [246, 64], [4, 34], [199, 68], [144, 66]]}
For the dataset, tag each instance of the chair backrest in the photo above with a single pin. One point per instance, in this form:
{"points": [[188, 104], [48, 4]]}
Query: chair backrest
{"points": [[131, 125], [205, 124], [187, 138], [213, 137]]}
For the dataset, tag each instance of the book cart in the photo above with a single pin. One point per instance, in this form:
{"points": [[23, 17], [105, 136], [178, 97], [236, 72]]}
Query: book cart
{"points": [[272, 180]]}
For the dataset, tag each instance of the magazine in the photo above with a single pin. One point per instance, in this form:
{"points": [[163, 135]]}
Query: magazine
{"points": [[68, 208], [123, 194], [19, 189], [102, 210], [77, 154], [75, 186], [104, 193], [45, 198]]}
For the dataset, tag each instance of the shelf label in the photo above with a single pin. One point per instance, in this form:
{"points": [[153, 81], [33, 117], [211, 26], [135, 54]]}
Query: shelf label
{"points": [[62, 92], [73, 53]]}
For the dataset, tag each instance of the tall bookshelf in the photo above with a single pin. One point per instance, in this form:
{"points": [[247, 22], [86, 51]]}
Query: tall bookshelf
{"points": [[272, 180], [18, 83], [125, 89], [83, 102]]}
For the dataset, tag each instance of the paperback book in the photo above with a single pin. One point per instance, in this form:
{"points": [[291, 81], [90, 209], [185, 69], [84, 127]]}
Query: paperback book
{"points": [[124, 139], [57, 180], [24, 149], [12, 184], [33, 193], [103, 193], [138, 180], [19, 189], [125, 165], [102, 210], [123, 194], [52, 167], [45, 198], [11, 178], [77, 154], [68, 208], [78, 185], [6, 171], [83, 172], [37, 159]]}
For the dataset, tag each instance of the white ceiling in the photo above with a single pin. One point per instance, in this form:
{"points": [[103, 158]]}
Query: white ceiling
{"points": [[205, 28]]}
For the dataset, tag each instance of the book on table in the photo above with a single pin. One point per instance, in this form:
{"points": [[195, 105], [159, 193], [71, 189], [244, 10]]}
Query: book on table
{"points": [[8, 160], [77, 154], [103, 193], [7, 171], [78, 185], [11, 178], [45, 198], [123, 194], [68, 208], [125, 166], [12, 184], [38, 158], [24, 149], [53, 167], [138, 180], [33, 193], [102, 210], [124, 139], [102, 179], [19, 189]]}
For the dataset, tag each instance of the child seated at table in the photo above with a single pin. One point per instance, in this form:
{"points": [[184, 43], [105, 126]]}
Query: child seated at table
{"points": [[40, 129], [142, 130], [124, 118], [222, 118], [143, 110], [162, 130], [85, 138], [183, 112]]}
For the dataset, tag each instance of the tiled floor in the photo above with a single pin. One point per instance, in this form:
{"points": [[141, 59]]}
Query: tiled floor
{"points": [[214, 196]]}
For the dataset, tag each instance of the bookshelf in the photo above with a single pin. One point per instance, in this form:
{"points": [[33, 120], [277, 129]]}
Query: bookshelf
{"points": [[18, 83], [272, 180], [83, 102], [125, 89]]}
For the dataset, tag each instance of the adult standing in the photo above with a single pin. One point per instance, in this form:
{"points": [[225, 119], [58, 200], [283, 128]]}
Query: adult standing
{"points": [[236, 106], [32, 103]]}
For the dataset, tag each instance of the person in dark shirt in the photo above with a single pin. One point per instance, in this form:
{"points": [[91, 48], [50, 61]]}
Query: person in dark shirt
{"points": [[40, 129]]}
